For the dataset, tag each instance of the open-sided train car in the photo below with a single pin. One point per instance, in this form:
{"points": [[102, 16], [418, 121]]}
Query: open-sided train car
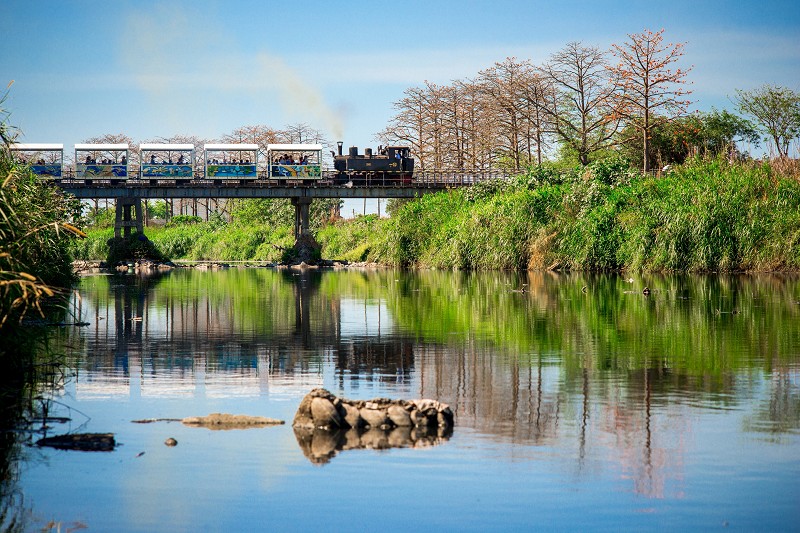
{"points": [[164, 161], [391, 165], [292, 164], [101, 161], [231, 161], [288, 162], [43, 159]]}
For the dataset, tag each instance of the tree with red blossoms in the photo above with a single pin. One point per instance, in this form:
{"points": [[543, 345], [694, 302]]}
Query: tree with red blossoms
{"points": [[652, 93]]}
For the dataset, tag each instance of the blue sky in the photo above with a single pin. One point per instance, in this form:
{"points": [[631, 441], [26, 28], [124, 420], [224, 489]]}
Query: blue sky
{"points": [[84, 68]]}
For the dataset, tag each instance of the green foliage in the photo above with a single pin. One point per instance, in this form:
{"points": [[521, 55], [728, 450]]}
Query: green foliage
{"points": [[700, 134], [100, 218], [351, 240], [34, 243], [709, 215], [157, 209], [183, 220], [776, 111], [280, 212]]}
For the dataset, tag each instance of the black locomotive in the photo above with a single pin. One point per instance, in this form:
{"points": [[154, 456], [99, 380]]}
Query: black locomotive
{"points": [[391, 165]]}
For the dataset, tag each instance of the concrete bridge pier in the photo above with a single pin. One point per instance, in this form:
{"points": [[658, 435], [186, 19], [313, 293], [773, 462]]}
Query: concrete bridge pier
{"points": [[123, 221], [301, 215]]}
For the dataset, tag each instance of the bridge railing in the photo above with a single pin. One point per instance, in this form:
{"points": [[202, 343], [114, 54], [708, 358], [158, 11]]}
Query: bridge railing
{"points": [[186, 176], [447, 178]]}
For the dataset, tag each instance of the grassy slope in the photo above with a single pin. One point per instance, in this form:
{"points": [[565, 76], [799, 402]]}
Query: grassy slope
{"points": [[705, 216]]}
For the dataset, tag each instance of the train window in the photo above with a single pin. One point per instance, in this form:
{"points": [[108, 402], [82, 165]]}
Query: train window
{"points": [[230, 161]]}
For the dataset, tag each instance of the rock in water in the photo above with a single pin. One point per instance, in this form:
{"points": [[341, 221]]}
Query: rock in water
{"points": [[325, 424], [85, 442]]}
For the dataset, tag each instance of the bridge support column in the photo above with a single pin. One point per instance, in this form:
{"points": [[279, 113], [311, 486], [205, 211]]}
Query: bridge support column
{"points": [[123, 221], [301, 216]]}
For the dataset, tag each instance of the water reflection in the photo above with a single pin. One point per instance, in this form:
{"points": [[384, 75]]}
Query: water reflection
{"points": [[321, 445], [585, 363]]}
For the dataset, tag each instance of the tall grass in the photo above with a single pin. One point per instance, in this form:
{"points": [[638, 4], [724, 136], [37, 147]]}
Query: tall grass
{"points": [[202, 241], [34, 243], [708, 215]]}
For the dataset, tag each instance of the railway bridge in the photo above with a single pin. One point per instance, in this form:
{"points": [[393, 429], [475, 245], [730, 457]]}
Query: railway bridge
{"points": [[224, 171], [129, 194]]}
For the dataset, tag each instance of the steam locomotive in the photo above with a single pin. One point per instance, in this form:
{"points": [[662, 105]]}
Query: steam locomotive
{"points": [[390, 165]]}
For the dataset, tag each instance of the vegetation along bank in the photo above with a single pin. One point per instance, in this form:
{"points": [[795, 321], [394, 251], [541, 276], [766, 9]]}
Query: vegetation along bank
{"points": [[704, 215]]}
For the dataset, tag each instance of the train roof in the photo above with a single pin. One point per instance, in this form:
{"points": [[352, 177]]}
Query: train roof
{"points": [[230, 147], [165, 147], [34, 147], [101, 147], [294, 147]]}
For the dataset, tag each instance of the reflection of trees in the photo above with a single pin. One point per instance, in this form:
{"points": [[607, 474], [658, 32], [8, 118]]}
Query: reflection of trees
{"points": [[585, 362], [621, 363], [250, 322], [780, 412], [30, 371]]}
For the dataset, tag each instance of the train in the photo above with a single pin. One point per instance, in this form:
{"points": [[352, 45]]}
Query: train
{"points": [[282, 164]]}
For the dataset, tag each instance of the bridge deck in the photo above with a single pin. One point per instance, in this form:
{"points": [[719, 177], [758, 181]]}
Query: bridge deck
{"points": [[423, 182]]}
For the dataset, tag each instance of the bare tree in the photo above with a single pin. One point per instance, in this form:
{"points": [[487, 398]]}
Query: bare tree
{"points": [[535, 97], [580, 96], [409, 125], [260, 134], [652, 93], [504, 84], [118, 138], [301, 133]]}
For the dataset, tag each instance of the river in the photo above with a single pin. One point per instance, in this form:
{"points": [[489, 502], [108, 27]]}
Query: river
{"points": [[580, 403]]}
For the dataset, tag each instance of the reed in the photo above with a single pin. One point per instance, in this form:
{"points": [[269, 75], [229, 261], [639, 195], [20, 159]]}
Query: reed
{"points": [[707, 215], [34, 242]]}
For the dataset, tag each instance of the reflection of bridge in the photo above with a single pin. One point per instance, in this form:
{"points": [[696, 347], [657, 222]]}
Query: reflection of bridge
{"points": [[133, 322]]}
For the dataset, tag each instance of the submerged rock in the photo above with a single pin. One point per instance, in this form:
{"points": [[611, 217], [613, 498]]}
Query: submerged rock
{"points": [[85, 442], [228, 421]]}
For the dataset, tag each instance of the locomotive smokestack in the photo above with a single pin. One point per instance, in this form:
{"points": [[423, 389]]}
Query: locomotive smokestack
{"points": [[339, 145]]}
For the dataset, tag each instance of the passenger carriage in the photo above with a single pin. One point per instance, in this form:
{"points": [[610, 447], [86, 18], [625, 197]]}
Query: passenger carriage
{"points": [[294, 162], [230, 161], [101, 162], [43, 159], [163, 161]]}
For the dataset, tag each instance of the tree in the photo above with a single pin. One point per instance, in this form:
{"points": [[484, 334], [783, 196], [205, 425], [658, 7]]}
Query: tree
{"points": [[580, 100], [672, 142], [409, 126], [721, 131], [505, 84], [776, 111], [652, 93]]}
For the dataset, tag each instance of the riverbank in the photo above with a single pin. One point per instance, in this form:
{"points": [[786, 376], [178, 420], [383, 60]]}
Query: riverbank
{"points": [[706, 216]]}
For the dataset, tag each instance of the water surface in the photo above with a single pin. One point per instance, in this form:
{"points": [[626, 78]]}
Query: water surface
{"points": [[580, 403]]}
